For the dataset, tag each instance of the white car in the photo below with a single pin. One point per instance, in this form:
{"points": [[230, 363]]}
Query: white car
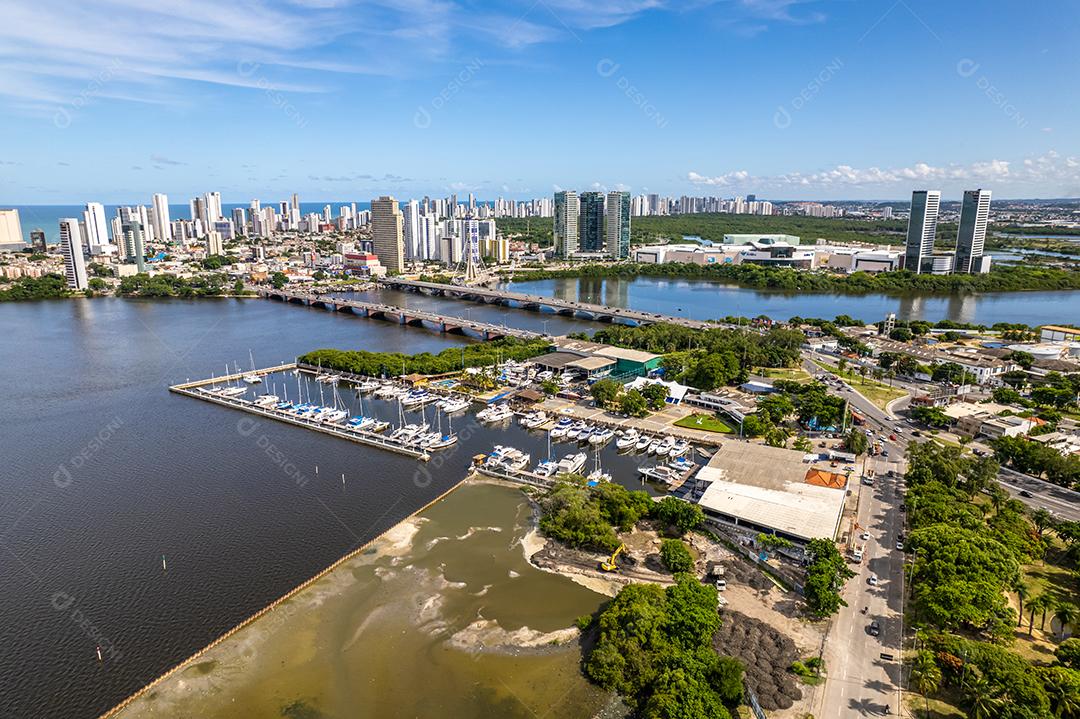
{"points": [[872, 580], [864, 536]]}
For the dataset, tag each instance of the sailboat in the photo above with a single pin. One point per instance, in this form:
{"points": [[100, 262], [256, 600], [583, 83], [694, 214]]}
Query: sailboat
{"points": [[252, 377], [597, 475]]}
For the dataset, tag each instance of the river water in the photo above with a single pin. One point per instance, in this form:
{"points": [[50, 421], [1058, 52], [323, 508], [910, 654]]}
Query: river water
{"points": [[106, 474], [700, 299]]}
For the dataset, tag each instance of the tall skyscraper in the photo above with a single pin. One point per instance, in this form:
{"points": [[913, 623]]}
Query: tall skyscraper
{"points": [[71, 246], [971, 235], [565, 230], [10, 227], [387, 233], [97, 229], [37, 240], [239, 218], [132, 237], [162, 228], [591, 222], [618, 225], [198, 210], [296, 202], [411, 221], [213, 208], [922, 228]]}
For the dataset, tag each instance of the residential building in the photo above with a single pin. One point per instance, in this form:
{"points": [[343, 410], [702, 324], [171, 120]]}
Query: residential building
{"points": [[387, 233], [162, 229], [971, 234], [567, 209], [214, 245], [71, 247], [591, 222], [618, 225], [37, 240], [922, 228], [10, 228]]}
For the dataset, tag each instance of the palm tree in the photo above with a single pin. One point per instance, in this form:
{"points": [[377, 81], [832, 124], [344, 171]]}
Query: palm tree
{"points": [[926, 675], [1022, 593], [1064, 694], [1034, 605], [984, 702], [1067, 613], [1043, 520]]}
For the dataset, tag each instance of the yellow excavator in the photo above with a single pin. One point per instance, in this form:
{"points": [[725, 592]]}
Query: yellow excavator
{"points": [[610, 565]]}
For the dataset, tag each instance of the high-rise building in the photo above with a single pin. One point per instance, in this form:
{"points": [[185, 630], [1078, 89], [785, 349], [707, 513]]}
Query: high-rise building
{"points": [[239, 220], [132, 237], [296, 201], [922, 228], [591, 222], [37, 240], [97, 228], [162, 229], [971, 235], [565, 230], [71, 246], [10, 228], [387, 233], [198, 210], [618, 225], [411, 223], [214, 245], [213, 208]]}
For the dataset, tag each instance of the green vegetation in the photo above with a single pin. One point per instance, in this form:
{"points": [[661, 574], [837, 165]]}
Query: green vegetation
{"points": [[856, 442], [529, 229], [710, 358], [47, 287], [809, 671], [584, 517], [826, 574], [1038, 460], [704, 422], [452, 359], [655, 650], [1002, 278], [143, 285], [931, 416], [679, 514], [675, 556], [879, 393], [713, 226]]}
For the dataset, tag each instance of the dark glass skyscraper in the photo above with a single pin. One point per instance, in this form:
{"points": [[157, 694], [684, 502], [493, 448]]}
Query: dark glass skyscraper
{"points": [[591, 222]]}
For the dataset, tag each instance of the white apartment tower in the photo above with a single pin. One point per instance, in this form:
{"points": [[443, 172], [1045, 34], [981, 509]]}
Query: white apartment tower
{"points": [[567, 207], [162, 228], [71, 246]]}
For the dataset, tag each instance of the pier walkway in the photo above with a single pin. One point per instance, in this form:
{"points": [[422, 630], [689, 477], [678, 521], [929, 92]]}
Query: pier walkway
{"points": [[371, 439], [400, 315]]}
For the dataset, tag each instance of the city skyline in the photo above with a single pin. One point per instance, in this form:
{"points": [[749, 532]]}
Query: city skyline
{"points": [[806, 100]]}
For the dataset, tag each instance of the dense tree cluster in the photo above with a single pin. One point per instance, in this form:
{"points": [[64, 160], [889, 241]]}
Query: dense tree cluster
{"points": [[654, 649], [1002, 278], [675, 556], [374, 364], [144, 285], [584, 517], [47, 287], [826, 573], [1030, 457]]}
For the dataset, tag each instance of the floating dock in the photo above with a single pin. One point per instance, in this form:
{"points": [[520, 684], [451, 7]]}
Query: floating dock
{"points": [[371, 439]]}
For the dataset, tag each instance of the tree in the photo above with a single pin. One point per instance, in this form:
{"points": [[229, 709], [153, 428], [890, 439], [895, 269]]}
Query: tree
{"points": [[777, 436], [679, 513], [802, 444], [1063, 687], [632, 403], [1068, 653], [550, 387], [931, 416], [279, 280], [1067, 614], [676, 556], [655, 394], [983, 702], [926, 676], [856, 442], [605, 392], [825, 577], [777, 406]]}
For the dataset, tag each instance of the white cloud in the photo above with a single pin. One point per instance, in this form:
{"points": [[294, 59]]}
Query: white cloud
{"points": [[1043, 170]]}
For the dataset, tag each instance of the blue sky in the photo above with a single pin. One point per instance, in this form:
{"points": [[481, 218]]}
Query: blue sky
{"points": [[335, 99]]}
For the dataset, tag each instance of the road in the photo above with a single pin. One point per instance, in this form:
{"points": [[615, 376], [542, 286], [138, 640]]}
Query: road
{"points": [[1061, 502]]}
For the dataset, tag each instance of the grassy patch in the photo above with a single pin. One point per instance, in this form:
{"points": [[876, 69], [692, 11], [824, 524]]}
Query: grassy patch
{"points": [[939, 708], [705, 422], [877, 392], [796, 374], [1048, 577]]}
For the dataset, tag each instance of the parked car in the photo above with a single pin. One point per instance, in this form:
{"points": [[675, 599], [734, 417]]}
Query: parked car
{"points": [[875, 628], [872, 580]]}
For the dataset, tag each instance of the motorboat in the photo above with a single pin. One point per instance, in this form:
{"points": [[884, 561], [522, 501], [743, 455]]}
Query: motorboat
{"points": [[600, 436], [576, 429], [660, 473], [643, 443], [628, 439], [453, 404], [547, 468], [328, 379], [389, 391], [360, 423], [440, 441], [561, 428], [368, 385], [507, 458], [572, 463], [532, 420], [663, 446], [679, 448], [266, 400], [252, 378], [495, 413], [417, 397]]}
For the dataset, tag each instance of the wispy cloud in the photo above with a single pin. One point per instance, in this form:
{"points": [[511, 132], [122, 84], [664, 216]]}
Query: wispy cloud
{"points": [[1050, 168]]}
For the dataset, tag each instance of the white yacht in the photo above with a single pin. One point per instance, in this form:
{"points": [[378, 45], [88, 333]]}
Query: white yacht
{"points": [[660, 473], [600, 436], [572, 463], [368, 385], [267, 400], [561, 428], [453, 404], [334, 415], [546, 468], [643, 443], [679, 448], [507, 458], [534, 419], [495, 413], [628, 439]]}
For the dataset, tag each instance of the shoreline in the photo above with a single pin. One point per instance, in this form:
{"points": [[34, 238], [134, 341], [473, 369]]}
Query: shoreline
{"points": [[193, 658]]}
